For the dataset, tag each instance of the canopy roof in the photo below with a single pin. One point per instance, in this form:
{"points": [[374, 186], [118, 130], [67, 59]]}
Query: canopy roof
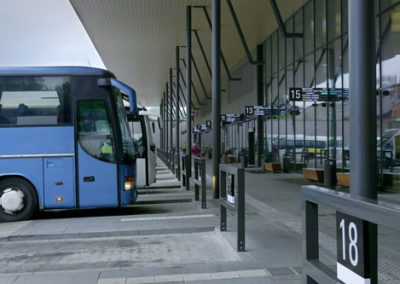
{"points": [[137, 38]]}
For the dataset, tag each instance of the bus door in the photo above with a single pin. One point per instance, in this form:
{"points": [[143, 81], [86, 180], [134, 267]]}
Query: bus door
{"points": [[151, 152], [97, 162], [145, 151]]}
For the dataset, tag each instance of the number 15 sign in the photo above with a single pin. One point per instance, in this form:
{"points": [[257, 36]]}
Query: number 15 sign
{"points": [[352, 261]]}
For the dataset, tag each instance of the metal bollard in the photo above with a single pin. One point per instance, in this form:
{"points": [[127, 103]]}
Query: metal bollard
{"points": [[200, 181], [183, 167], [232, 197]]}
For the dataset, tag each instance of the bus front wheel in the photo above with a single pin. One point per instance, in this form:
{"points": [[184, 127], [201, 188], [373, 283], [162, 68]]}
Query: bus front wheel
{"points": [[18, 200]]}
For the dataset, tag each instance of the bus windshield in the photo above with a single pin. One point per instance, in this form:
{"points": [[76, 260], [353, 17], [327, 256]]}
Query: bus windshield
{"points": [[127, 143]]}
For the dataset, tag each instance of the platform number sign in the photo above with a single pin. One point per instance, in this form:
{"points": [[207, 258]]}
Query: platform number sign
{"points": [[296, 94], [352, 265], [230, 188], [249, 110]]}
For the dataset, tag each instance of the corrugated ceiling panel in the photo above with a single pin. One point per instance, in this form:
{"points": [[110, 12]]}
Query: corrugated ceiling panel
{"points": [[136, 38]]}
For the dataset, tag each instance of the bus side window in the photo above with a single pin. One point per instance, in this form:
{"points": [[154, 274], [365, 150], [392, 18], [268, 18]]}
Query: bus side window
{"points": [[35, 101]]}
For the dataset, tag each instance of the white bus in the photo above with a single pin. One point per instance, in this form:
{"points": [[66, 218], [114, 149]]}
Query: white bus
{"points": [[142, 135]]}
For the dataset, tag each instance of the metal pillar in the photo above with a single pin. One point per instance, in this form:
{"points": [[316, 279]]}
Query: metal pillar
{"points": [[363, 99], [260, 102], [171, 97], [216, 92], [189, 90], [178, 172], [162, 126], [165, 122], [362, 60]]}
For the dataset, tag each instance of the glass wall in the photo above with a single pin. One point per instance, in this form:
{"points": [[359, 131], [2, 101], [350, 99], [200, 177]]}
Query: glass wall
{"points": [[310, 132]]}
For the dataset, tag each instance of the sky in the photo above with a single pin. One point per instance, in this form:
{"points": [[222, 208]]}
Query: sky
{"points": [[44, 33]]}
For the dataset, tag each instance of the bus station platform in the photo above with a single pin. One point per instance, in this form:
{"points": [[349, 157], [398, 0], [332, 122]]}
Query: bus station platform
{"points": [[167, 238]]}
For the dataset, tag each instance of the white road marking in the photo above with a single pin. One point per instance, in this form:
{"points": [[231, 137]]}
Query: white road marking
{"points": [[167, 218], [189, 277]]}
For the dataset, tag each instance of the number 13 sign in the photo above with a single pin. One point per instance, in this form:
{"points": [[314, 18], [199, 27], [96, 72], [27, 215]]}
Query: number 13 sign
{"points": [[352, 262]]}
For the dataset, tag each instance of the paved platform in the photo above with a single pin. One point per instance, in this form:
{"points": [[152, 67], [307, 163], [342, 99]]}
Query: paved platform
{"points": [[167, 238]]}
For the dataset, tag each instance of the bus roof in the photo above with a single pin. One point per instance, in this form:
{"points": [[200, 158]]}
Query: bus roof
{"points": [[55, 71]]}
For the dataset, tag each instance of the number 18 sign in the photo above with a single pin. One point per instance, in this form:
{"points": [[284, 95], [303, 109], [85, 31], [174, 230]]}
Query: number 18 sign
{"points": [[352, 262]]}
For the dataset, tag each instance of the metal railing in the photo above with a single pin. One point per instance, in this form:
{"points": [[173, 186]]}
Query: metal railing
{"points": [[366, 210], [232, 197], [199, 180]]}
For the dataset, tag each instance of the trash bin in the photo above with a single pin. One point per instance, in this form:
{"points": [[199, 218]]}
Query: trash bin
{"points": [[330, 173]]}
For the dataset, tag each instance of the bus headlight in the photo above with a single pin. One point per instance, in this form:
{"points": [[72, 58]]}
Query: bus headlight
{"points": [[129, 183]]}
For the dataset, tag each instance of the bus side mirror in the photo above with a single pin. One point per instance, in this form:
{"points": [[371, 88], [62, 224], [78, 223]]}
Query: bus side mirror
{"points": [[153, 126]]}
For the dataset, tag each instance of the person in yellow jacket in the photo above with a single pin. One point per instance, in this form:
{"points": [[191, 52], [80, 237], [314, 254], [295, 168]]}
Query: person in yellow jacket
{"points": [[106, 148]]}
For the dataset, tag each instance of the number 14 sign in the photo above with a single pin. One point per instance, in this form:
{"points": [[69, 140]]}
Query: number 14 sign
{"points": [[352, 260]]}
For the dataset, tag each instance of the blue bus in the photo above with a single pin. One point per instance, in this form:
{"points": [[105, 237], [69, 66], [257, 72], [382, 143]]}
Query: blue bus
{"points": [[65, 141]]}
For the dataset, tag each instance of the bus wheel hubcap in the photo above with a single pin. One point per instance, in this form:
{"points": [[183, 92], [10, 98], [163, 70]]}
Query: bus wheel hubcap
{"points": [[12, 200]]}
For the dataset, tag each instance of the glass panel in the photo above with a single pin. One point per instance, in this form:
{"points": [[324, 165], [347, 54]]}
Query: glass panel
{"points": [[35, 101], [345, 15], [391, 82], [309, 114], [334, 19], [336, 135], [127, 143], [320, 22], [138, 140], [321, 109], [281, 51], [274, 55], [321, 65], [289, 42], [94, 130], [298, 28], [309, 74], [309, 26], [346, 104]]}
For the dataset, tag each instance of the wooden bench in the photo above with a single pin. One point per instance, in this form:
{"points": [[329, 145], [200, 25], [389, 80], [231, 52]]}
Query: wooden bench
{"points": [[343, 179], [273, 167], [313, 174]]}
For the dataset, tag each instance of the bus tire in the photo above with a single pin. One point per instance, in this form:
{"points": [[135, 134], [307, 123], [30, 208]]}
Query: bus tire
{"points": [[18, 200]]}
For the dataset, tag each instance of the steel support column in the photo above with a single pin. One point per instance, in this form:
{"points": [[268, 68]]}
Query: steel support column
{"points": [[216, 92], [362, 60], [178, 175], [171, 97], [189, 91], [363, 99], [260, 102], [162, 126], [168, 116]]}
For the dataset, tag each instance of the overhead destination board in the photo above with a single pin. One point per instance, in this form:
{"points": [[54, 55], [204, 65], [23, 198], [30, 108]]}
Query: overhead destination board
{"points": [[263, 111], [232, 117], [317, 94], [255, 110]]}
